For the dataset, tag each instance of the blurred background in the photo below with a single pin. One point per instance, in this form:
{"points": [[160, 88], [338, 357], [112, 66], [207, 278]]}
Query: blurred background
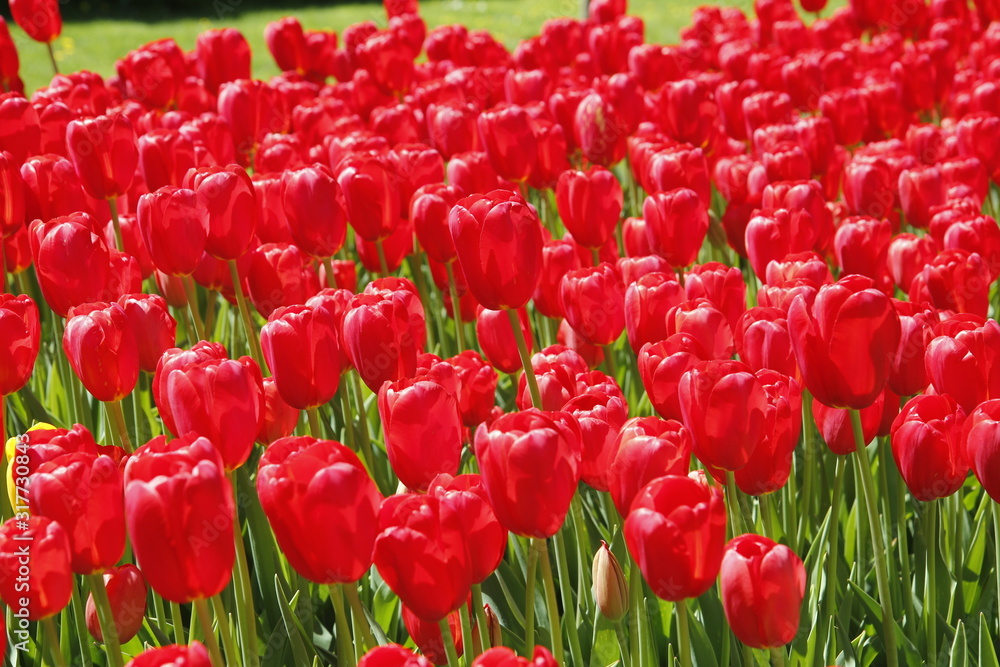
{"points": [[96, 33]]}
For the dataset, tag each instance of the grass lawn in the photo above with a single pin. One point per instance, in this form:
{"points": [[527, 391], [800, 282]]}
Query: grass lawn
{"points": [[97, 44]]}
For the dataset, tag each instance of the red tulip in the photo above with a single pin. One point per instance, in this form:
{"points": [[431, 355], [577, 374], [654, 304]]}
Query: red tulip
{"points": [[844, 343], [280, 419], [165, 156], [834, 424], [174, 229], [102, 350], [41, 19], [676, 225], [194, 655], [954, 280], [661, 366], [104, 154], [600, 417], [228, 196], [179, 511], [762, 341], [644, 449], [9, 62], [861, 245], [301, 347], [962, 362], [51, 188], [222, 55], [428, 637], [279, 275], [762, 585], [530, 463], [502, 656], [154, 328], [907, 373], [316, 218], [559, 257], [83, 492], [287, 43], [593, 300], [421, 554], [429, 209], [218, 398], [724, 407], [647, 302], [676, 532], [20, 338], [498, 240], [126, 589], [369, 186], [928, 446], [304, 482], [382, 337], [496, 338], [486, 539], [423, 430], [590, 204], [392, 655], [505, 132], [706, 323], [600, 130], [47, 586]]}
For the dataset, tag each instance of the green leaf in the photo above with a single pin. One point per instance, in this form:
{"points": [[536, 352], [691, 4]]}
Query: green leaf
{"points": [[874, 608], [702, 648], [987, 654], [292, 628], [959, 650]]}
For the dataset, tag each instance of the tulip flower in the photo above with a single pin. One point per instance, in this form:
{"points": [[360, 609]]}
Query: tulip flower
{"points": [[423, 430], [762, 585], [102, 350], [48, 585], [928, 447], [834, 424], [509, 141], [961, 362], [174, 228], [179, 513], [302, 349], [644, 449], [193, 655], [486, 539], [382, 338], [154, 328], [498, 240], [676, 225], [530, 463], [372, 204], [421, 554], [228, 196], [593, 300], [502, 656], [104, 154], [428, 637], [590, 204], [559, 257], [315, 216], [496, 338], [57, 248], [600, 417], [127, 595], [222, 55], [41, 19], [304, 482], [661, 366], [392, 655], [280, 419], [844, 343], [20, 338], [676, 532], [279, 275], [600, 130]]}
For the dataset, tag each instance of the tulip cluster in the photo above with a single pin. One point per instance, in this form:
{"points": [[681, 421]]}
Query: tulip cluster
{"points": [[378, 354]]}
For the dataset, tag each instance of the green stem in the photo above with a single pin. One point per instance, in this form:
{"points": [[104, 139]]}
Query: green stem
{"points": [[930, 608], [113, 205], [575, 650], [778, 656], [609, 361], [456, 307], [449, 642], [764, 502], [160, 611], [178, 621], [468, 647], [52, 58], [529, 603], [684, 647], [383, 265], [192, 299], [366, 441], [80, 618], [622, 644], [331, 282], [232, 655], [247, 617], [432, 317], [52, 641], [833, 537], [117, 417], [345, 406], [871, 504], [634, 608], [248, 330], [480, 611], [351, 591], [205, 620], [522, 349], [106, 619], [315, 428], [741, 524], [550, 599], [346, 655]]}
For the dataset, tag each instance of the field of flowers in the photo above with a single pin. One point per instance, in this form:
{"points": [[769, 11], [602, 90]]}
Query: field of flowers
{"points": [[427, 350]]}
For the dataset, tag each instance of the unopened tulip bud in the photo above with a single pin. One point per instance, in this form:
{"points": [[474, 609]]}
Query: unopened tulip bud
{"points": [[610, 587], [493, 627]]}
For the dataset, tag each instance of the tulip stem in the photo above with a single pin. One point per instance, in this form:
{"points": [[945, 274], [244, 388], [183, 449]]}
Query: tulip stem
{"points": [[468, 648], [833, 537], [52, 641], [346, 655], [360, 617], [778, 656], [52, 58], [114, 409], [930, 608], [634, 610], [192, 299], [106, 619], [383, 264], [366, 440], [764, 504], [684, 639], [331, 282], [622, 644], [205, 620], [522, 349], [740, 524], [178, 621], [315, 428], [541, 546], [529, 603], [345, 407], [875, 527], [456, 307], [481, 620], [241, 302], [119, 241], [247, 617], [449, 642], [232, 655], [562, 564]]}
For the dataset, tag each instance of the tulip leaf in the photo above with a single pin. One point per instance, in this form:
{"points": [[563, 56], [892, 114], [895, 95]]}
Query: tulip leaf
{"points": [[293, 629], [262, 548], [987, 653], [702, 648], [974, 574], [959, 649], [874, 609], [605, 642]]}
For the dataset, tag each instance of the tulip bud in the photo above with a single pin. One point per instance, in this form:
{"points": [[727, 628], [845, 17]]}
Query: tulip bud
{"points": [[493, 626], [610, 587]]}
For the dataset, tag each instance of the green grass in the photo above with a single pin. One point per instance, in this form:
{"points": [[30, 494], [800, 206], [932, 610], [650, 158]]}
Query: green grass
{"points": [[96, 44]]}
